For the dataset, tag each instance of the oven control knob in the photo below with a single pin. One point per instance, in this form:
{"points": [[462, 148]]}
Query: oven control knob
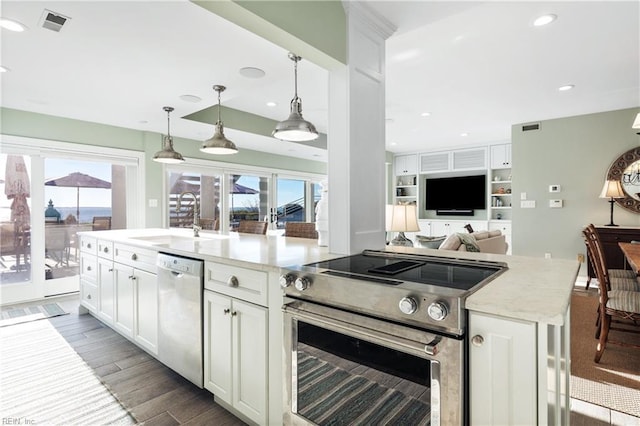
{"points": [[408, 305], [438, 311], [286, 280], [302, 283]]}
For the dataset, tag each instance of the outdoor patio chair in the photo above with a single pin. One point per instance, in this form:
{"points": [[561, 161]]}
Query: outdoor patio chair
{"points": [[252, 227], [101, 223], [300, 229]]}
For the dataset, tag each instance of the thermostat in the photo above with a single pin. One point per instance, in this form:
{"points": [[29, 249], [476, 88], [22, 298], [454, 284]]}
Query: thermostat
{"points": [[555, 204], [554, 188]]}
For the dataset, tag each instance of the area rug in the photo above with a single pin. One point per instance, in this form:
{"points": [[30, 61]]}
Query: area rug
{"points": [[615, 381], [30, 313], [332, 396], [45, 382]]}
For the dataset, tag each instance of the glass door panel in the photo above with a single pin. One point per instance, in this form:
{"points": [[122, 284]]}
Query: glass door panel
{"points": [[248, 199], [291, 201], [190, 188], [80, 197]]}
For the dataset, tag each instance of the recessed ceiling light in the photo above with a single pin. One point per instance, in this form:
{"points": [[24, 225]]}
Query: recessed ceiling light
{"points": [[11, 25], [272, 104], [544, 20], [252, 72], [425, 114], [464, 135], [190, 98], [566, 87], [4, 69]]}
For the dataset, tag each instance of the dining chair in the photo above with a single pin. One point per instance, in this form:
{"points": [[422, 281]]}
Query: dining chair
{"points": [[210, 224], [301, 230], [615, 279], [252, 227]]}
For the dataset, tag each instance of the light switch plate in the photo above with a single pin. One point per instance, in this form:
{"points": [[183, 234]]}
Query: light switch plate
{"points": [[528, 204], [555, 204], [523, 195], [153, 202]]}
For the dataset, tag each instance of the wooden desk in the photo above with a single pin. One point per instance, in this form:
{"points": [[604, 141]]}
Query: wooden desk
{"points": [[632, 255]]}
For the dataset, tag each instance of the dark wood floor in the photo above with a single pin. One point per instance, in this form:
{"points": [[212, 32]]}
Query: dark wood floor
{"points": [[152, 393]]}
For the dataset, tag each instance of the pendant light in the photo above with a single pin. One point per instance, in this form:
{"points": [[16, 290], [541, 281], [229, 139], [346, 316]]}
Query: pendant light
{"points": [[295, 128], [218, 143], [168, 155]]}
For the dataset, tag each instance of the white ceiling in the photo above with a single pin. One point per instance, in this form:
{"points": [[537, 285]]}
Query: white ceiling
{"points": [[477, 67]]}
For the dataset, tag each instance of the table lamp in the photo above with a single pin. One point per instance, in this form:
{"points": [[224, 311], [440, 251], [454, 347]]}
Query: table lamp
{"points": [[612, 189], [402, 218]]}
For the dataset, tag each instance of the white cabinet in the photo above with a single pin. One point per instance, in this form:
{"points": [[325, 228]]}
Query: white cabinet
{"points": [[235, 338], [503, 380], [106, 308], [458, 160], [501, 156], [123, 284], [437, 228], [406, 165], [119, 285]]}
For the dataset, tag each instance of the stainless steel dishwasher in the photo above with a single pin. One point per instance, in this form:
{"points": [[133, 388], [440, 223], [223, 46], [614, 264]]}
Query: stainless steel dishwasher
{"points": [[180, 283]]}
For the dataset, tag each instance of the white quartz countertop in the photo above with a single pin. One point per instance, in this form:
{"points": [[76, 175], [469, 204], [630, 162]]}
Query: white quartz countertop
{"points": [[258, 250], [532, 289]]}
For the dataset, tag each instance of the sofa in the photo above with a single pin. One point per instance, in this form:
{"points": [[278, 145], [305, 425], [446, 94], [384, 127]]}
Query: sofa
{"points": [[479, 241]]}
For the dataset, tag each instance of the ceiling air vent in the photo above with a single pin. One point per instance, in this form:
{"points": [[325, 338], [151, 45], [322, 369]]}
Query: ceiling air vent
{"points": [[528, 127], [53, 21]]}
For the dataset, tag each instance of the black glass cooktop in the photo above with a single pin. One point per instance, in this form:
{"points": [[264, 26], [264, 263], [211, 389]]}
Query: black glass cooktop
{"points": [[395, 270]]}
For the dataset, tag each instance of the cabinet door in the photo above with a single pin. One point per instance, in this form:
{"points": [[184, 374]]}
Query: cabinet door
{"points": [[107, 303], [502, 368], [217, 345], [406, 165], [501, 156], [250, 360], [146, 309], [436, 162], [123, 285]]}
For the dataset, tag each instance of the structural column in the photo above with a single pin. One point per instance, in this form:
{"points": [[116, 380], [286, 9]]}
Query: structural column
{"points": [[356, 135]]}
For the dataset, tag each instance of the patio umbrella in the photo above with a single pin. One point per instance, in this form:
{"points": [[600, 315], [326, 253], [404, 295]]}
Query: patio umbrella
{"points": [[78, 180], [17, 188]]}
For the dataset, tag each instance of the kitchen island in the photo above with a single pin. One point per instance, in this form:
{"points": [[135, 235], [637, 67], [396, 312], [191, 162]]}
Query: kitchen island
{"points": [[518, 322]]}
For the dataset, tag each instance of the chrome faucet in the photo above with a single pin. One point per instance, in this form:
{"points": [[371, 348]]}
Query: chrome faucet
{"points": [[196, 211]]}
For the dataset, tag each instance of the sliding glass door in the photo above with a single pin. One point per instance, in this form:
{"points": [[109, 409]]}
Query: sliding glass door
{"points": [[50, 192]]}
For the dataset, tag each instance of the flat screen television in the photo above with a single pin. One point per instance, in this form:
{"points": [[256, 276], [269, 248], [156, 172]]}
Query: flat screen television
{"points": [[456, 195]]}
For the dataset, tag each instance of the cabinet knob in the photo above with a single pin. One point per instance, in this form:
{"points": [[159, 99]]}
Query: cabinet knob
{"points": [[89, 245], [134, 256], [477, 340], [234, 313], [89, 296], [233, 281], [226, 311], [88, 268], [106, 250], [110, 269]]}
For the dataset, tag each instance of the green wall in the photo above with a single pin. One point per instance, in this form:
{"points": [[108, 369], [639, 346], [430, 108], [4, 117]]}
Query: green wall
{"points": [[575, 153], [27, 124]]}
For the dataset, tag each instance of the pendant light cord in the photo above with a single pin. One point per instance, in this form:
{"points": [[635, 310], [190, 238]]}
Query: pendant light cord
{"points": [[218, 105]]}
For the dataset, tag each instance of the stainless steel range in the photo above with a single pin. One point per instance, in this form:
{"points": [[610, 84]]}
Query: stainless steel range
{"points": [[379, 338]]}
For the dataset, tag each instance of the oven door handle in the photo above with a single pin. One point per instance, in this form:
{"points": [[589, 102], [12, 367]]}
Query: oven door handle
{"points": [[348, 328]]}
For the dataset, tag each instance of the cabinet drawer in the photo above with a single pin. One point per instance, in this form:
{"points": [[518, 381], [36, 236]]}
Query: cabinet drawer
{"points": [[89, 244], [135, 256], [88, 267], [89, 293], [105, 249], [504, 227], [242, 283]]}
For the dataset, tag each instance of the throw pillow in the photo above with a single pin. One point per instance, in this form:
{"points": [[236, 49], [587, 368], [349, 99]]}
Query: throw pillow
{"points": [[469, 242], [451, 243]]}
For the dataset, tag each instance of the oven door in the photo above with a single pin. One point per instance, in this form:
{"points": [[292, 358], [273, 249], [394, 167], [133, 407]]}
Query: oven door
{"points": [[345, 368]]}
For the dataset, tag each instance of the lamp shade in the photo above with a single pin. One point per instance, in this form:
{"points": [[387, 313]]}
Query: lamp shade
{"points": [[402, 218], [636, 122], [612, 189]]}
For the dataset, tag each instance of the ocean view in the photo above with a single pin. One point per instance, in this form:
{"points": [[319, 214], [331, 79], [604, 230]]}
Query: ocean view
{"points": [[86, 213]]}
